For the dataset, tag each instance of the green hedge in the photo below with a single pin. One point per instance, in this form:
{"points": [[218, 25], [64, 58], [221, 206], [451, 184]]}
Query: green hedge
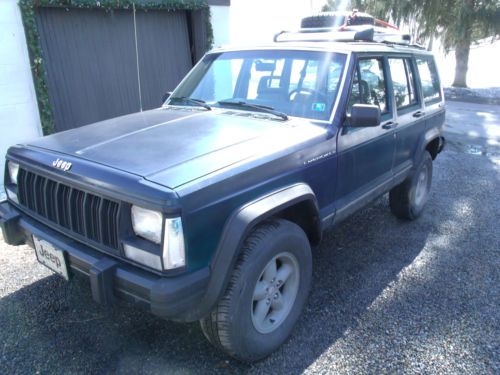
{"points": [[32, 38]]}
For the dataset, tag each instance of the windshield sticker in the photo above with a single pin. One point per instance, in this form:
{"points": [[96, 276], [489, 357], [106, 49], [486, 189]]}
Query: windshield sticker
{"points": [[319, 107]]}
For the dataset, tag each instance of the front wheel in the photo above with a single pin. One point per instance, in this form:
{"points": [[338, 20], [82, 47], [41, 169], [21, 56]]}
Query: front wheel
{"points": [[266, 293], [407, 200]]}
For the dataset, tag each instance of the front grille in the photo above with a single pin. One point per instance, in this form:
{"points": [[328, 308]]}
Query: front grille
{"points": [[86, 214]]}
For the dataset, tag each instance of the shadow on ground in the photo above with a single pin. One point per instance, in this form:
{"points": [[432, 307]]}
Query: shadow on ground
{"points": [[368, 271]]}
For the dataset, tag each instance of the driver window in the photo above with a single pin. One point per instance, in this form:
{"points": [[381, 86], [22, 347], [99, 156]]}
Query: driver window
{"points": [[369, 86]]}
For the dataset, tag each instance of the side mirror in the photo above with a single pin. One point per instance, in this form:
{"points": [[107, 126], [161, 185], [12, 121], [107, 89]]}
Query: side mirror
{"points": [[364, 115], [165, 96]]}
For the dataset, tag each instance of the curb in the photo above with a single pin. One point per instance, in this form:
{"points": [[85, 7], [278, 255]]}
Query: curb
{"points": [[478, 96]]}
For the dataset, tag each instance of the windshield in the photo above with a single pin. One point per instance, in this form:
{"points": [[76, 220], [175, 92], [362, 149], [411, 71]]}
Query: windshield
{"points": [[296, 83]]}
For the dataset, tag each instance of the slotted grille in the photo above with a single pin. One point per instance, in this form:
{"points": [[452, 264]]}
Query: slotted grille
{"points": [[89, 215]]}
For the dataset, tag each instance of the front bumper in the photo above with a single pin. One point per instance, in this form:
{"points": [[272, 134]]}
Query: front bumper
{"points": [[172, 298]]}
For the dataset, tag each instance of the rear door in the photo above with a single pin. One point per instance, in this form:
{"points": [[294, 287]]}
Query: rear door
{"points": [[366, 154], [410, 114]]}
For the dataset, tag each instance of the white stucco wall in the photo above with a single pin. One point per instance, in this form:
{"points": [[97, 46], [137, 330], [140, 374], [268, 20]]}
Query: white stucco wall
{"points": [[247, 22], [220, 16], [19, 118]]}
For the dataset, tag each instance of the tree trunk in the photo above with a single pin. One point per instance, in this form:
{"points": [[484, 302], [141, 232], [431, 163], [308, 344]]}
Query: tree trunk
{"points": [[431, 43], [462, 63], [464, 40]]}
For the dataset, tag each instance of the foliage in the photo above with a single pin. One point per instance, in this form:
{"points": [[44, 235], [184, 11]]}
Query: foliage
{"points": [[28, 9], [458, 23], [452, 20], [330, 6], [341, 5]]}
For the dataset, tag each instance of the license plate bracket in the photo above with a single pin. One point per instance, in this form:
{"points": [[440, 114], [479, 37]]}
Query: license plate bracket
{"points": [[51, 257]]}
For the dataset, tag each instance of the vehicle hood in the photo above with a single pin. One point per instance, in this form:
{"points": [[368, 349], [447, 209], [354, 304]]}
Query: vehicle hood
{"points": [[172, 146]]}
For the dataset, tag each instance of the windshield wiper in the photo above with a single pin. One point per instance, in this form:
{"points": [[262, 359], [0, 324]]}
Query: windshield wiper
{"points": [[198, 102], [258, 107]]}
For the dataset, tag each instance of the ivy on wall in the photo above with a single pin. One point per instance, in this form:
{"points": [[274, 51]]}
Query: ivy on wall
{"points": [[28, 8]]}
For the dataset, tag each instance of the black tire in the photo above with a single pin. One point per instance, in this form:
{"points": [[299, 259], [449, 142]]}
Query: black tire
{"points": [[230, 326], [334, 19], [403, 198]]}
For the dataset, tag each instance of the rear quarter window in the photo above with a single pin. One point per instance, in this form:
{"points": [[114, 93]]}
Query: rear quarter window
{"points": [[429, 80]]}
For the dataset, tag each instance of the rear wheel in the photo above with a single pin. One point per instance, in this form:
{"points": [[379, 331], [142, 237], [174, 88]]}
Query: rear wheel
{"points": [[407, 200], [266, 294]]}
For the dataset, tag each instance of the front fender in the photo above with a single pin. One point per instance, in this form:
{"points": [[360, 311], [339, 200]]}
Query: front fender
{"points": [[236, 229]]}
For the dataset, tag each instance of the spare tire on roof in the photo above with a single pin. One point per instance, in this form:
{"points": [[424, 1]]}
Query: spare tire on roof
{"points": [[336, 19]]}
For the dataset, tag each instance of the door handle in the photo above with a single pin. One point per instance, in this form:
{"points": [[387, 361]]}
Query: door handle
{"points": [[389, 125], [419, 114]]}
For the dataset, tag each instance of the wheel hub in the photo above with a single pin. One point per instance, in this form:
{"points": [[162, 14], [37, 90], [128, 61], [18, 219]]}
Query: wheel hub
{"points": [[421, 188], [274, 293]]}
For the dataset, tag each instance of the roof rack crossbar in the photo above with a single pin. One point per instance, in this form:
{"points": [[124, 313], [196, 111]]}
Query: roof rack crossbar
{"points": [[344, 34], [413, 45]]}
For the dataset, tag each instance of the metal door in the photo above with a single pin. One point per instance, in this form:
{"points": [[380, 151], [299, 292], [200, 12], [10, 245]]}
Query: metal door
{"points": [[101, 64], [366, 154]]}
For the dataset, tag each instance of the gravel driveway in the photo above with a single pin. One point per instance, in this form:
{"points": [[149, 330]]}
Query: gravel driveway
{"points": [[388, 296]]}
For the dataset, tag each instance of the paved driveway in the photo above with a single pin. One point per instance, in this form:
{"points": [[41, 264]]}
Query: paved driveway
{"points": [[388, 296]]}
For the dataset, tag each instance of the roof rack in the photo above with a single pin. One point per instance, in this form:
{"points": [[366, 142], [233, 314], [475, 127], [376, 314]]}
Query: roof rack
{"points": [[363, 33]]}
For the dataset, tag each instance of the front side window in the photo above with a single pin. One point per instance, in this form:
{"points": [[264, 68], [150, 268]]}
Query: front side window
{"points": [[403, 82], [429, 80], [298, 83], [369, 86]]}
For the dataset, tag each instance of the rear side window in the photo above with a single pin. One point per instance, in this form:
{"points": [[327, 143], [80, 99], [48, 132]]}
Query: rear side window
{"points": [[429, 80], [403, 82]]}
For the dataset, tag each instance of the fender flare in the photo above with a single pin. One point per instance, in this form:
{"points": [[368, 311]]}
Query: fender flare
{"points": [[236, 229], [429, 136]]}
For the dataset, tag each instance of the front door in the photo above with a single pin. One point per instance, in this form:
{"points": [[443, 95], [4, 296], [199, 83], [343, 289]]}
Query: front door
{"points": [[366, 154]]}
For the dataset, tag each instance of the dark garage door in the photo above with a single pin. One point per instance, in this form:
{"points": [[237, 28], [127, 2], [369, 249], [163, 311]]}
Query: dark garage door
{"points": [[93, 71]]}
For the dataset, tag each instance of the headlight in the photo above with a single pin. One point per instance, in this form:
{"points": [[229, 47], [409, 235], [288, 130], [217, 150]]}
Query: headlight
{"points": [[13, 171], [147, 223], [173, 247]]}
